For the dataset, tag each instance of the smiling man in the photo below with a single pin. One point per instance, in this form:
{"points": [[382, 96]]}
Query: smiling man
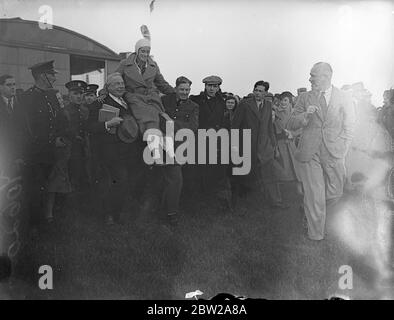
{"points": [[184, 113], [327, 117]]}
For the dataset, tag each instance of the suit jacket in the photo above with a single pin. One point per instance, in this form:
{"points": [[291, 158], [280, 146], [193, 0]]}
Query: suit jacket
{"points": [[108, 147], [335, 130], [211, 111], [263, 142]]}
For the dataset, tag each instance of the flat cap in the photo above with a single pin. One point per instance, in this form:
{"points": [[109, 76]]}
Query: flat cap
{"points": [[91, 88], [43, 67], [76, 85], [212, 80]]}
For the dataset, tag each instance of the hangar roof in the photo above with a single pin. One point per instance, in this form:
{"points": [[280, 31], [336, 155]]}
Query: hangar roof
{"points": [[17, 32]]}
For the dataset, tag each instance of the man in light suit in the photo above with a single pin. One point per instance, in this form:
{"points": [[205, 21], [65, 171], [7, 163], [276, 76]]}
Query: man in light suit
{"points": [[327, 117]]}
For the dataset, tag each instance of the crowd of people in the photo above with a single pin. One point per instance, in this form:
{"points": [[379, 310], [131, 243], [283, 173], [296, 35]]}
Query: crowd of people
{"points": [[91, 147]]}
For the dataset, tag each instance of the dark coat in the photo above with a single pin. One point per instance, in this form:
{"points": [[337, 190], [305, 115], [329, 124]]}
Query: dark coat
{"points": [[10, 132], [263, 142], [108, 147], [76, 130], [335, 129], [45, 121], [185, 114], [211, 111]]}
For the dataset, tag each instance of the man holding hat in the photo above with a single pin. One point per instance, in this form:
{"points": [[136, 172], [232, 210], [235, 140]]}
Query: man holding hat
{"points": [[114, 147], [212, 177], [78, 114], [44, 131]]}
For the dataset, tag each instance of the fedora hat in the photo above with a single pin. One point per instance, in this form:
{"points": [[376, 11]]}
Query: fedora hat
{"points": [[128, 129]]}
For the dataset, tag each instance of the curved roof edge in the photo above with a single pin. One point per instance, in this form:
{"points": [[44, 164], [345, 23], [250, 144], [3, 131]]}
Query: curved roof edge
{"points": [[18, 19]]}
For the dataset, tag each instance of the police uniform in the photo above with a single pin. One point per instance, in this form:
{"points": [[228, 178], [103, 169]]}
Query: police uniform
{"points": [[76, 132], [91, 88], [45, 121]]}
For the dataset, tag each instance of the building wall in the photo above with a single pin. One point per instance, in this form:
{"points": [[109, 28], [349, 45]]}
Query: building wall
{"points": [[16, 61], [111, 66]]}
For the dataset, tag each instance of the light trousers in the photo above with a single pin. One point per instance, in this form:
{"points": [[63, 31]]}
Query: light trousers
{"points": [[323, 180]]}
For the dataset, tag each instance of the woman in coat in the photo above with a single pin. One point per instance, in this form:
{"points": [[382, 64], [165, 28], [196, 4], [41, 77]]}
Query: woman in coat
{"points": [[144, 82]]}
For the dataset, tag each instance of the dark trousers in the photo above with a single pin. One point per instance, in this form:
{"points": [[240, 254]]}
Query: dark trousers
{"points": [[173, 182], [78, 173], [36, 178], [114, 188], [269, 182]]}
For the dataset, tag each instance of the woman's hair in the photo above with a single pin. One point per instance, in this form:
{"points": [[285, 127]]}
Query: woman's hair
{"points": [[230, 96]]}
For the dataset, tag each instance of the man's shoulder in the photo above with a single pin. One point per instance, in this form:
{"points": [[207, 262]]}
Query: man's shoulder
{"points": [[168, 97], [108, 100], [248, 100], [196, 97], [192, 103]]}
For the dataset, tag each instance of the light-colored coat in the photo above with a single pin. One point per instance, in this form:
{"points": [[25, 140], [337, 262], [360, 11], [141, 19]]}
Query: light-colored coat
{"points": [[142, 91], [335, 130]]}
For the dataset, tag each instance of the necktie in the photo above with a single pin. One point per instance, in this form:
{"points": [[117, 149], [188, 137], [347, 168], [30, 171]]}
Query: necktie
{"points": [[123, 103], [323, 104], [9, 106]]}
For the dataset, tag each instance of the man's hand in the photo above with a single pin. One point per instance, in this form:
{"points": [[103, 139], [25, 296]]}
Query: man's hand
{"points": [[311, 110], [59, 142], [288, 134], [276, 152], [114, 122]]}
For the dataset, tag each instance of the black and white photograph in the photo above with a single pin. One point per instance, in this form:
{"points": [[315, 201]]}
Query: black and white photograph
{"points": [[199, 150]]}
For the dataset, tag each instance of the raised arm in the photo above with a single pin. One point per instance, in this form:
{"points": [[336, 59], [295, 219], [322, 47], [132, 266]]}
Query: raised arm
{"points": [[162, 84]]}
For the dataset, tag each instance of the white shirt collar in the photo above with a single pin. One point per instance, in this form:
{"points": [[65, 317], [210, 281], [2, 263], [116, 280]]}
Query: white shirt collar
{"points": [[6, 100], [327, 94], [119, 100]]}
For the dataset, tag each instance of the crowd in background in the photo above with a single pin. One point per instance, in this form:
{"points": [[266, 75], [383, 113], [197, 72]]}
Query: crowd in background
{"points": [[64, 148]]}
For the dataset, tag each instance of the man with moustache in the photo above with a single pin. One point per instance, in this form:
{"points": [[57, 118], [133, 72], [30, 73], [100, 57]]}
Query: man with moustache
{"points": [[327, 117]]}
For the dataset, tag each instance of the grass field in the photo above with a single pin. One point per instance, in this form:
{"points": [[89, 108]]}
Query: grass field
{"points": [[251, 252]]}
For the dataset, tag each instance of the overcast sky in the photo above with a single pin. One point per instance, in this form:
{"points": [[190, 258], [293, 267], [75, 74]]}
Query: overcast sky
{"points": [[241, 41]]}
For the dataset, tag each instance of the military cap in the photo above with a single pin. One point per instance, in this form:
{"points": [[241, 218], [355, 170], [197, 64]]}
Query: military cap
{"points": [[212, 80], [91, 88], [182, 79], [76, 85], [43, 67]]}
